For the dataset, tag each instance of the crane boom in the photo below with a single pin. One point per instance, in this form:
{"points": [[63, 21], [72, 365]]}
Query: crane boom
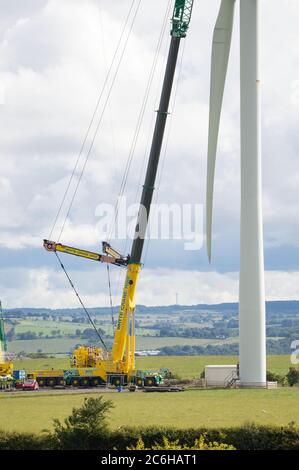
{"points": [[113, 256], [124, 338], [122, 358]]}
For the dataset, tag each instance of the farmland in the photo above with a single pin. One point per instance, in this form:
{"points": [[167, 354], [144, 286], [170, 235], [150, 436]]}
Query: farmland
{"points": [[184, 367], [193, 408], [211, 408], [174, 330], [64, 345]]}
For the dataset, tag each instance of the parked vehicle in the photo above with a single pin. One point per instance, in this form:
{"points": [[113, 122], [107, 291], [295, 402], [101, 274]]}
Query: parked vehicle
{"points": [[28, 384]]}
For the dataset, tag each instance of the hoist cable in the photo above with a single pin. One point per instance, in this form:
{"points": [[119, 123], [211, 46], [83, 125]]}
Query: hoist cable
{"points": [[93, 117], [151, 127], [129, 161], [99, 122], [80, 300], [167, 139], [110, 297], [140, 120]]}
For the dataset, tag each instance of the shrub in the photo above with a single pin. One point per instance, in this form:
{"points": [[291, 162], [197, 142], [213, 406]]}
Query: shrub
{"points": [[24, 441], [85, 427], [272, 377], [199, 444], [247, 437], [293, 376]]}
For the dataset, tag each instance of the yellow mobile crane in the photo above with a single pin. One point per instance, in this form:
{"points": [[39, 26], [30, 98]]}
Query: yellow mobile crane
{"points": [[118, 366], [6, 368]]}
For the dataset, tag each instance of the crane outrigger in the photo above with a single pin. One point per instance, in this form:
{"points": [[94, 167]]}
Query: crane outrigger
{"points": [[118, 366]]}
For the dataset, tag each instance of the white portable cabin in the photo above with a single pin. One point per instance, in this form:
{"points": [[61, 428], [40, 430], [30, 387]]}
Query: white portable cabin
{"points": [[220, 376]]}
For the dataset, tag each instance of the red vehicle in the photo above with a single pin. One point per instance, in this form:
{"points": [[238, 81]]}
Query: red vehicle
{"points": [[29, 384]]}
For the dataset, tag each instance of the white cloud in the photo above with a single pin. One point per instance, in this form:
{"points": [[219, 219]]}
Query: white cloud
{"points": [[48, 287], [53, 59]]}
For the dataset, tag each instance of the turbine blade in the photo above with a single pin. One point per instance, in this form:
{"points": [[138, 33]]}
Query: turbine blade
{"points": [[220, 55]]}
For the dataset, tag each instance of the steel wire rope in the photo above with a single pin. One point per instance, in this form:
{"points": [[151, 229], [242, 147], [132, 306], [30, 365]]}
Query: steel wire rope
{"points": [[167, 139], [110, 298], [110, 112], [114, 155], [140, 118], [80, 300], [92, 119], [91, 147], [139, 186], [137, 131], [100, 120]]}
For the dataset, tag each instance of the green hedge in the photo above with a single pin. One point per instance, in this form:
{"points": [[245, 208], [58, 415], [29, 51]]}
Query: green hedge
{"points": [[25, 441], [249, 437]]}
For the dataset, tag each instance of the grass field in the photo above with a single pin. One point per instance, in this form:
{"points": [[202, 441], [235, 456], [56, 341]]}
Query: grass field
{"points": [[36, 326], [34, 411], [184, 366], [212, 408], [54, 346], [68, 328]]}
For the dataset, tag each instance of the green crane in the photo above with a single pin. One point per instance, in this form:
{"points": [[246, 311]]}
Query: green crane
{"points": [[3, 344], [181, 18], [6, 368]]}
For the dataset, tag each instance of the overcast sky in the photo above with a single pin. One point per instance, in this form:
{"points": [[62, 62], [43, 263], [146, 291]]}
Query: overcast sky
{"points": [[54, 56]]}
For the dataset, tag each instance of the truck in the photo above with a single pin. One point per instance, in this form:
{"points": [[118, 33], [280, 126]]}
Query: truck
{"points": [[91, 365], [95, 366]]}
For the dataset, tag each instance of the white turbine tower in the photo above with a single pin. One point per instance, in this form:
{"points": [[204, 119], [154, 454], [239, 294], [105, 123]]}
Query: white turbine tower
{"points": [[251, 289]]}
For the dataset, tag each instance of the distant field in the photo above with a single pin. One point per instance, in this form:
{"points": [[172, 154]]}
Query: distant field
{"points": [[36, 326], [191, 366], [211, 408], [35, 411], [148, 343], [48, 363], [64, 345], [68, 328], [184, 366], [54, 346]]}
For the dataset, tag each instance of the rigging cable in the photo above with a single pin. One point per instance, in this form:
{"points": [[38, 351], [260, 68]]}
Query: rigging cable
{"points": [[97, 106], [100, 121], [140, 119], [152, 124], [136, 135], [80, 300], [110, 297], [168, 138], [92, 143]]}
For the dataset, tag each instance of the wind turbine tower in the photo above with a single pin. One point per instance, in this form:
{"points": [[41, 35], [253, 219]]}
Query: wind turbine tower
{"points": [[251, 288]]}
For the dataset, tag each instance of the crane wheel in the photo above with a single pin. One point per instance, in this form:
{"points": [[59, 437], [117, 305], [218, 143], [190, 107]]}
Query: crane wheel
{"points": [[75, 382], [84, 382], [150, 382], [41, 382], [95, 382], [51, 382]]}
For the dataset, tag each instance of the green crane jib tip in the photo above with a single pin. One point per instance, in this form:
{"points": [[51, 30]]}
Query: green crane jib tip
{"points": [[181, 17]]}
